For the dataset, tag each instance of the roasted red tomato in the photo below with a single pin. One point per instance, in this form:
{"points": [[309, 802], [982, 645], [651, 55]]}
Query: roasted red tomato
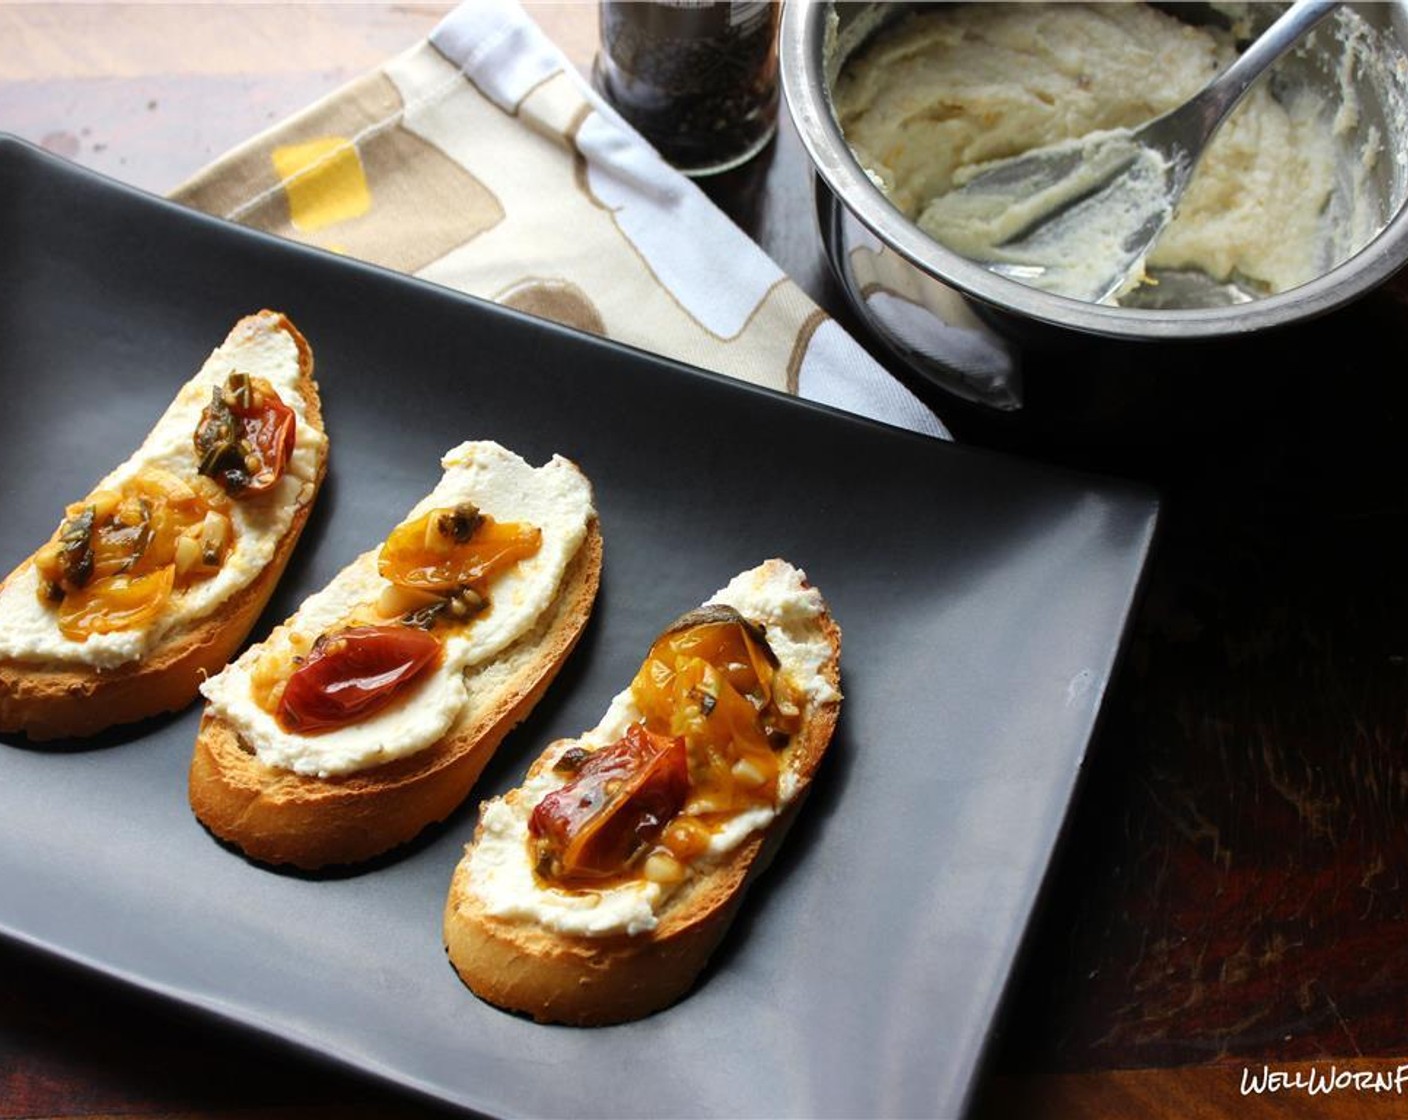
{"points": [[619, 802], [352, 673], [245, 436]]}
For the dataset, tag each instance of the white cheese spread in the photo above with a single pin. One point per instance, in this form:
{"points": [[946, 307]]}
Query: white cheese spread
{"points": [[500, 874], [956, 87], [1068, 236], [556, 498], [29, 628]]}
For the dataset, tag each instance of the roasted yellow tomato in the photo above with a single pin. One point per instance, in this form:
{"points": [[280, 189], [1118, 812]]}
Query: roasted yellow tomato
{"points": [[450, 549], [119, 554], [117, 602], [712, 679]]}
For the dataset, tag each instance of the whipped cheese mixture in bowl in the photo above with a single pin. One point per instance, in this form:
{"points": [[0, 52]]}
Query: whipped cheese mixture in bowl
{"points": [[1297, 209]]}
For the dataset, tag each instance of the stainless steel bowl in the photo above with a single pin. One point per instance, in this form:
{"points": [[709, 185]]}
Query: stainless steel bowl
{"points": [[970, 331]]}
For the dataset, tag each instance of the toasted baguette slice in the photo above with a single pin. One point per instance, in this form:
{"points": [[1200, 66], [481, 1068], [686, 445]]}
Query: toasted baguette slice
{"points": [[311, 819], [628, 967], [50, 695], [277, 817]]}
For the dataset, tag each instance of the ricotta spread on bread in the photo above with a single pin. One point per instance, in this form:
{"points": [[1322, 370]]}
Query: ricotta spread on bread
{"points": [[556, 498], [774, 595], [29, 630]]}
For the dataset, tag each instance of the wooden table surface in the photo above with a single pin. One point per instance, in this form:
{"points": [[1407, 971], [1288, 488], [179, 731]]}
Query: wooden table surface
{"points": [[1229, 900]]}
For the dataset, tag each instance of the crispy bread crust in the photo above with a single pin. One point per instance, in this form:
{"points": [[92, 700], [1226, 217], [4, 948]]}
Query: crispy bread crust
{"points": [[278, 817], [52, 701], [595, 981]]}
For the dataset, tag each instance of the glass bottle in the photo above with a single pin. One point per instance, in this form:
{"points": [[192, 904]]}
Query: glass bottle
{"points": [[696, 78]]}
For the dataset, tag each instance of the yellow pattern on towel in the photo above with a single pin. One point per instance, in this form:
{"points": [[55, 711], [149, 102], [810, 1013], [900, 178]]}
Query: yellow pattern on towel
{"points": [[323, 181]]}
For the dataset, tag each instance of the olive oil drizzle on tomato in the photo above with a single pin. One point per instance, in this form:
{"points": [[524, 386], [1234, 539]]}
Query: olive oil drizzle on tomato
{"points": [[439, 568], [716, 714]]}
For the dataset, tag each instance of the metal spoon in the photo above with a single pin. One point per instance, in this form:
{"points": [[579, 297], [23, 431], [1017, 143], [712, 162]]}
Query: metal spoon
{"points": [[1078, 218]]}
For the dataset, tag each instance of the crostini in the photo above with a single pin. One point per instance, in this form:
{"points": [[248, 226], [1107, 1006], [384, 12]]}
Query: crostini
{"points": [[154, 579], [370, 713], [595, 892]]}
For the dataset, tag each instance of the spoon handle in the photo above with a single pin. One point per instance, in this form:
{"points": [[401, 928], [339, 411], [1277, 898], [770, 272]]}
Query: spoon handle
{"points": [[1221, 95]]}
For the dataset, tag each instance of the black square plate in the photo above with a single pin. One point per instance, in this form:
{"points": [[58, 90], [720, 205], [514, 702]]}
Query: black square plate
{"points": [[983, 600]]}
